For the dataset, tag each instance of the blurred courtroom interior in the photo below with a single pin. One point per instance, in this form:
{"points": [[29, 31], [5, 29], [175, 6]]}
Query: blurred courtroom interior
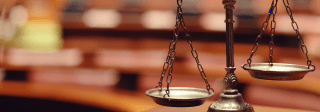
{"points": [[102, 55]]}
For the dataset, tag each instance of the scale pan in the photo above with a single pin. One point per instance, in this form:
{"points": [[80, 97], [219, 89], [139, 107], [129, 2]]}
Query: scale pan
{"points": [[279, 71], [180, 96]]}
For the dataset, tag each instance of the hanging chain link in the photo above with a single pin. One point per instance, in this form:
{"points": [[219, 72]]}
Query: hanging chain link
{"points": [[263, 28], [295, 27], [294, 24], [273, 29], [194, 53], [168, 64]]}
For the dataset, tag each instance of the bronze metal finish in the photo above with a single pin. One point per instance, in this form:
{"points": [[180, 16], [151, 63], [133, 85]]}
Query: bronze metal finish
{"points": [[180, 96], [231, 99], [230, 103], [279, 71]]}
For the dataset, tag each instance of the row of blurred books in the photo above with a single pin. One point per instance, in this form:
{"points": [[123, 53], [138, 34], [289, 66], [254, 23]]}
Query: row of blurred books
{"points": [[199, 15], [193, 6]]}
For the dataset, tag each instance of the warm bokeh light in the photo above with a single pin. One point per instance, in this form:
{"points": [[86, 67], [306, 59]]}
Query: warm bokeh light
{"points": [[76, 76], [40, 34], [98, 18], [215, 21], [18, 15], [158, 19], [306, 24], [23, 57]]}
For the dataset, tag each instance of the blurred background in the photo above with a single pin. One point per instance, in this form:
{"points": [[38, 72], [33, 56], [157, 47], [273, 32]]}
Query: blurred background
{"points": [[102, 55]]}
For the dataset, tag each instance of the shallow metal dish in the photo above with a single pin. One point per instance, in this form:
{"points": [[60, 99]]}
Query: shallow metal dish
{"points": [[180, 96], [279, 71]]}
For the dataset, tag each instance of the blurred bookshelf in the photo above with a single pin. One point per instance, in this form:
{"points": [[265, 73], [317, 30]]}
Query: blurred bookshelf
{"points": [[103, 41]]}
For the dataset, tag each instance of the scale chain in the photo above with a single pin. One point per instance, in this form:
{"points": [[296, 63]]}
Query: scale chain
{"points": [[168, 65], [295, 27], [273, 27], [195, 56], [193, 51], [294, 24], [263, 28]]}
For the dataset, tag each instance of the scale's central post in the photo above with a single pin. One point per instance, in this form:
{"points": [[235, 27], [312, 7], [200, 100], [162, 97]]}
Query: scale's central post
{"points": [[229, 6], [230, 99], [230, 79]]}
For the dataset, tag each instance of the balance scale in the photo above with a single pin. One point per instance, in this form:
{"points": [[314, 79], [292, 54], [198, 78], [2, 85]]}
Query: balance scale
{"points": [[230, 99]]}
